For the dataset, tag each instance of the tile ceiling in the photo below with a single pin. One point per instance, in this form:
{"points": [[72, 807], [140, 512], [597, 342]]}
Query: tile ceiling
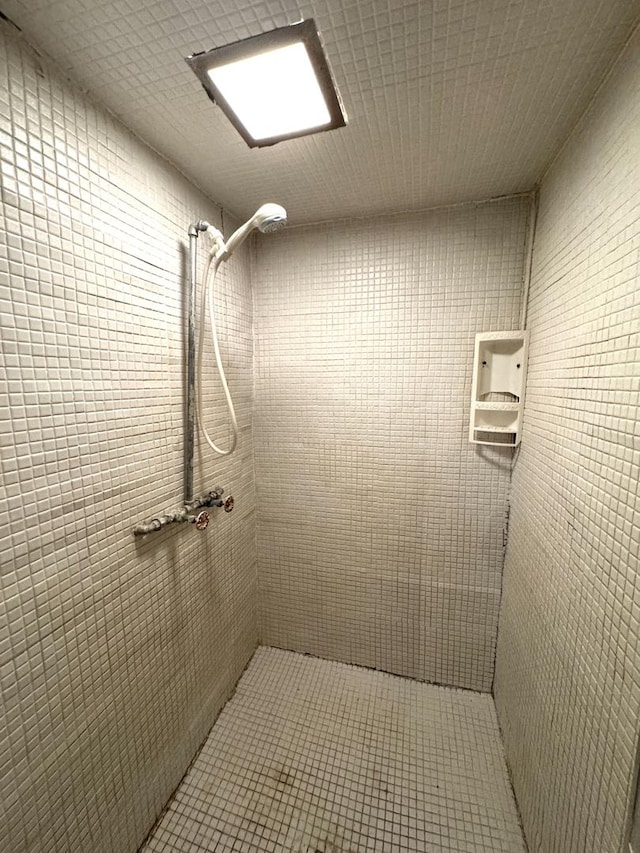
{"points": [[448, 100]]}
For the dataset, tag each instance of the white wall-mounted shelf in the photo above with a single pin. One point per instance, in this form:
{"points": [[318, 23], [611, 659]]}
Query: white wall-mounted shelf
{"points": [[497, 392]]}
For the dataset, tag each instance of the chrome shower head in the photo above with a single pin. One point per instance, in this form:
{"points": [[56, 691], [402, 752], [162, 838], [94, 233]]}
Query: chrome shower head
{"points": [[267, 219]]}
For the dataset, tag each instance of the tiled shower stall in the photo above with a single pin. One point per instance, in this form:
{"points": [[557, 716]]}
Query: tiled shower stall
{"points": [[421, 623]]}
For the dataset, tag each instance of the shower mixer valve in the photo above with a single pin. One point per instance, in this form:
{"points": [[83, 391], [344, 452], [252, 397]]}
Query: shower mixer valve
{"points": [[186, 513]]}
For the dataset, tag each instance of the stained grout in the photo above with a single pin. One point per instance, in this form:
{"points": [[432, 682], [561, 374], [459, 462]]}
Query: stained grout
{"points": [[314, 755]]}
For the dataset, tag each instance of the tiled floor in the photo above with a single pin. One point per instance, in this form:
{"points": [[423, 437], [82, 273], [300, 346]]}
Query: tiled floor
{"points": [[312, 756]]}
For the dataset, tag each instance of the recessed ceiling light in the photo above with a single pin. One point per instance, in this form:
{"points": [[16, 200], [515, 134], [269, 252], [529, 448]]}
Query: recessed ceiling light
{"points": [[273, 86]]}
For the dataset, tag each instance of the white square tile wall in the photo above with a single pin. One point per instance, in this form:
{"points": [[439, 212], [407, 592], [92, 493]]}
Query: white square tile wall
{"points": [[115, 654], [380, 528], [316, 756], [568, 666]]}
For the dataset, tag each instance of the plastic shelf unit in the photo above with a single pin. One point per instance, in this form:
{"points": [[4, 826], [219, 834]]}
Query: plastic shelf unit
{"points": [[497, 393]]}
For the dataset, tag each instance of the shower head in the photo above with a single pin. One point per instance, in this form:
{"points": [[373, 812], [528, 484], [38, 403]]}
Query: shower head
{"points": [[267, 218]]}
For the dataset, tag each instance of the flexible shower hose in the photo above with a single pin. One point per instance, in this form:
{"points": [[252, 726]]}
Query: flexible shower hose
{"points": [[208, 296]]}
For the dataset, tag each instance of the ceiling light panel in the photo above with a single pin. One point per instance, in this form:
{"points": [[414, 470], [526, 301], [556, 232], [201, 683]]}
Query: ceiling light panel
{"points": [[273, 86]]}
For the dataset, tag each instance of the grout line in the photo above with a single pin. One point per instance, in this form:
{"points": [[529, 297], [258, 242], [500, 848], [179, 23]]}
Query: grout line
{"points": [[528, 258], [382, 215]]}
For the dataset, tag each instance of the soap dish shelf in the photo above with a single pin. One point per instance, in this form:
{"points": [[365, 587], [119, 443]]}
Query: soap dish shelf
{"points": [[499, 370]]}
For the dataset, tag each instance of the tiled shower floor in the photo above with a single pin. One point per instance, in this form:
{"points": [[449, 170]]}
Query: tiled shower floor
{"points": [[313, 756]]}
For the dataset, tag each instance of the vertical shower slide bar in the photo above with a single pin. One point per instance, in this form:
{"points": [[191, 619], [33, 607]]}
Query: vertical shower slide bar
{"points": [[190, 401]]}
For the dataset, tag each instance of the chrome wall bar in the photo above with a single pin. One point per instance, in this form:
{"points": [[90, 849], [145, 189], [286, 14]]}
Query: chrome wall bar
{"points": [[190, 404], [190, 401]]}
